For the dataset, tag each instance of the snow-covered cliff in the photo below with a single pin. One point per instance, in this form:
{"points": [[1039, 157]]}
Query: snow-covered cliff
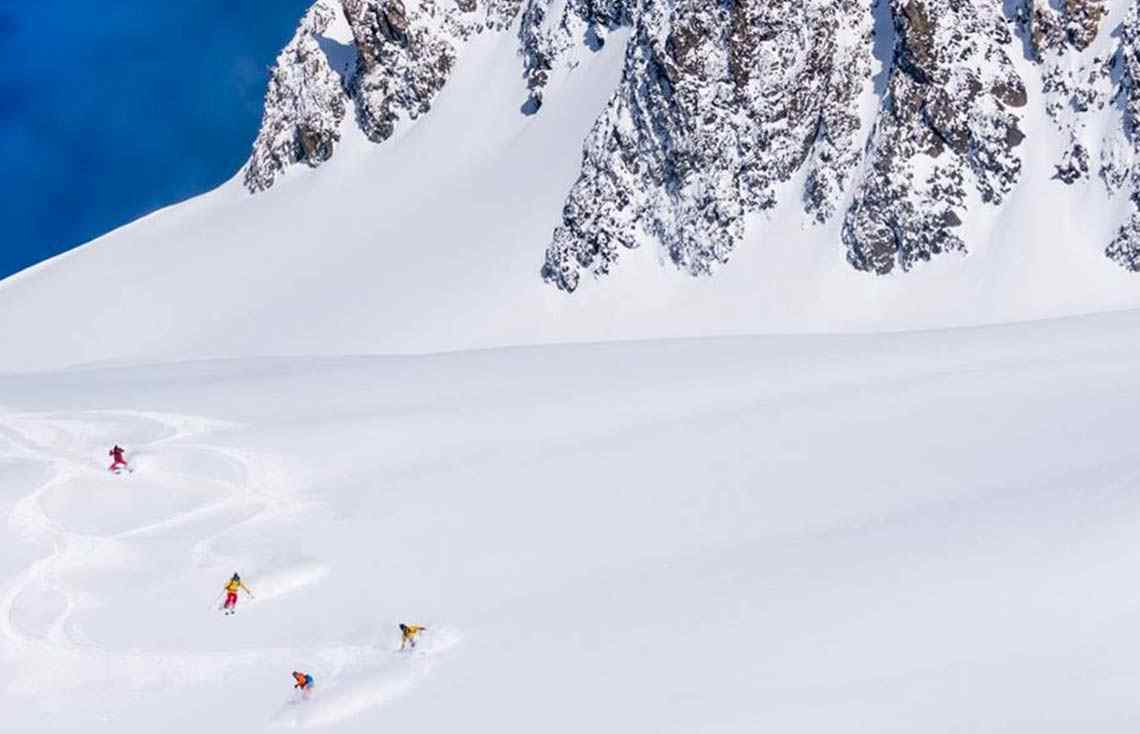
{"points": [[304, 104], [438, 174], [718, 105], [721, 104]]}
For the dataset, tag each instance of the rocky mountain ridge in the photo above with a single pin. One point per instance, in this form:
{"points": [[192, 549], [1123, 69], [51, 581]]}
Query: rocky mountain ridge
{"points": [[722, 105]]}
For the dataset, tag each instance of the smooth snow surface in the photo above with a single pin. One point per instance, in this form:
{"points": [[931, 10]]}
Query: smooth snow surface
{"points": [[925, 532], [433, 242]]}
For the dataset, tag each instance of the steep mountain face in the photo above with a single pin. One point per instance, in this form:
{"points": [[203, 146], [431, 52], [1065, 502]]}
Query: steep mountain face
{"points": [[304, 105], [721, 105], [1125, 66], [1075, 23], [949, 120], [831, 161], [717, 106], [1082, 89], [546, 35], [404, 60], [404, 54]]}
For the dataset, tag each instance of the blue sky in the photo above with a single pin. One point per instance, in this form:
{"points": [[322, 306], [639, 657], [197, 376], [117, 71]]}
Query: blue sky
{"points": [[110, 109]]}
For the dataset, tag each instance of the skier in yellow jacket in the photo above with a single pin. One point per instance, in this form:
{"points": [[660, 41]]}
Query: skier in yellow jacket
{"points": [[232, 593], [409, 632]]}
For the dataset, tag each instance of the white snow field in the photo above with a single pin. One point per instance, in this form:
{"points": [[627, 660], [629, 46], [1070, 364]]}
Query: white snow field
{"points": [[606, 527], [920, 532]]}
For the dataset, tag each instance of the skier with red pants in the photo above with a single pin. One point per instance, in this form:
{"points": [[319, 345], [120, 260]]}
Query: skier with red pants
{"points": [[232, 593], [118, 462]]}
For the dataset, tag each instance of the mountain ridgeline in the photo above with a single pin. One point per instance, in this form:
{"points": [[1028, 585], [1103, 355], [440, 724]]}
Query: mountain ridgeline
{"points": [[895, 119]]}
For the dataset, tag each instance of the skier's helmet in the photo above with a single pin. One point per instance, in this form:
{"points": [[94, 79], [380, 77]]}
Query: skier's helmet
{"points": [[236, 577], [403, 627]]}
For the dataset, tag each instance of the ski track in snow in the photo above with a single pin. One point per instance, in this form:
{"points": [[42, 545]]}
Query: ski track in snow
{"points": [[38, 605], [349, 693]]}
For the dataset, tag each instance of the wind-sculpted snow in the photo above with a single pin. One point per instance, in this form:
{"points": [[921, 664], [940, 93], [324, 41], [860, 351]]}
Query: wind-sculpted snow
{"points": [[949, 120], [304, 104]]}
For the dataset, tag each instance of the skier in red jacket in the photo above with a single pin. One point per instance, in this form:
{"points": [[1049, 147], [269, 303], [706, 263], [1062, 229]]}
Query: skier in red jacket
{"points": [[118, 462]]}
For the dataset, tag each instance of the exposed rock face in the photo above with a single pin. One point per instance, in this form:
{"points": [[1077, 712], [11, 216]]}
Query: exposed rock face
{"points": [[405, 51], [1070, 95], [949, 120], [722, 104], [717, 105], [1125, 247], [1079, 89], [404, 59], [544, 37], [1082, 21], [1076, 23], [844, 51], [1055, 37], [304, 105]]}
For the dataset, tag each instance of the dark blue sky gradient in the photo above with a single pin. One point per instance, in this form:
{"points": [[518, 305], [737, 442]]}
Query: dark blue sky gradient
{"points": [[110, 109]]}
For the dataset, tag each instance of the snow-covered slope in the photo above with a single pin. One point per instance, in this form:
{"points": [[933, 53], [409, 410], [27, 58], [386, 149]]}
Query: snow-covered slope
{"points": [[923, 531], [927, 532], [436, 238]]}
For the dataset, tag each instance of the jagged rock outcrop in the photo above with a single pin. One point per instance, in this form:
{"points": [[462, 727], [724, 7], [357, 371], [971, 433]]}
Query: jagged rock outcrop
{"points": [[1075, 24], [1125, 247], [1079, 88], [718, 104], [1056, 36], [404, 57], [304, 104], [722, 104], [837, 147], [949, 120], [543, 38], [1070, 95], [404, 50]]}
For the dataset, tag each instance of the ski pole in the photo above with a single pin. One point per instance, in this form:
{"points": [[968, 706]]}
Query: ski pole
{"points": [[217, 599]]}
